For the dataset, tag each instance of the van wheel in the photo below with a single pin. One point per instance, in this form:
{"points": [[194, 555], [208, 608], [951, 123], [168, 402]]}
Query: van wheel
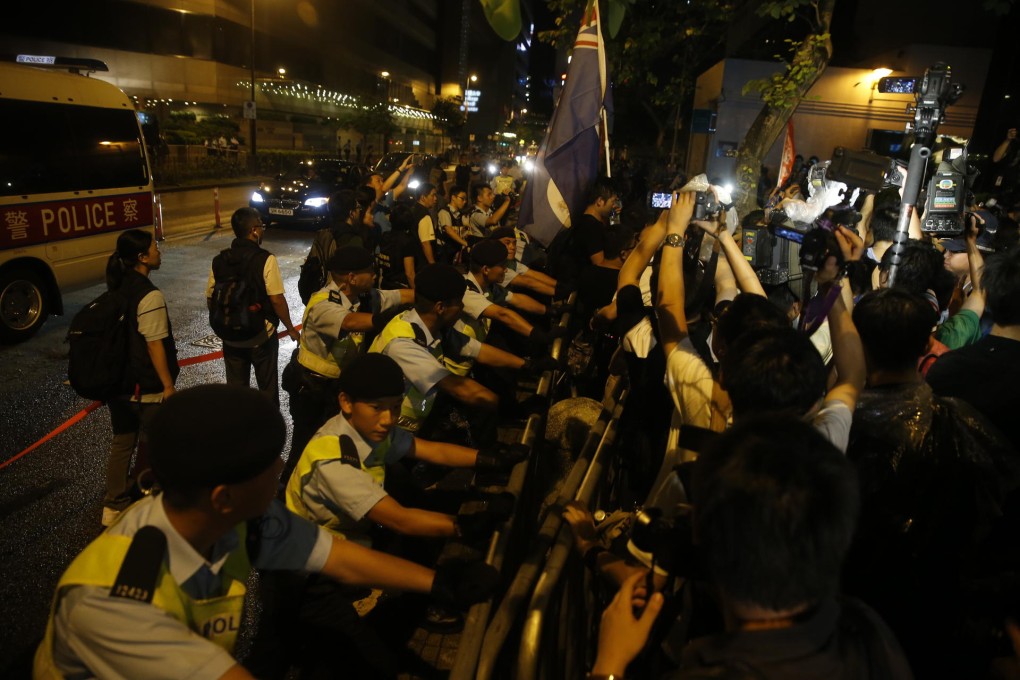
{"points": [[23, 305]]}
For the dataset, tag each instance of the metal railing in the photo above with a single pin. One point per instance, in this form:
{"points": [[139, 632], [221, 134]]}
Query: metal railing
{"points": [[581, 481]]}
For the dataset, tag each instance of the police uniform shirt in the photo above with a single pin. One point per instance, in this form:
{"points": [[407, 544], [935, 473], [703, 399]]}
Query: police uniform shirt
{"points": [[514, 269], [274, 286], [476, 302], [338, 495], [479, 218], [323, 322], [114, 637], [420, 368]]}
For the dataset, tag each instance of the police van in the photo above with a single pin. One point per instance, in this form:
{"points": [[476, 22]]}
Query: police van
{"points": [[73, 175]]}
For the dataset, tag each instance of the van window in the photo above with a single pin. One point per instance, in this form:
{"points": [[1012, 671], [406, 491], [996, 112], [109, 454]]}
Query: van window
{"points": [[68, 147]]}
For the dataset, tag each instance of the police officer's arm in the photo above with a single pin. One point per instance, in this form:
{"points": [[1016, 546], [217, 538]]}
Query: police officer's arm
{"points": [[451, 232], [468, 391], [531, 283], [356, 565], [426, 247], [509, 318], [497, 358], [411, 521], [526, 303], [540, 277], [441, 453], [409, 273], [497, 214]]}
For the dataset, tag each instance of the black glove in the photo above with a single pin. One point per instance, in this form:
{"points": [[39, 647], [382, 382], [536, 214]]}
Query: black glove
{"points": [[564, 289], [501, 457], [458, 584], [538, 365], [541, 338], [557, 308], [480, 525]]}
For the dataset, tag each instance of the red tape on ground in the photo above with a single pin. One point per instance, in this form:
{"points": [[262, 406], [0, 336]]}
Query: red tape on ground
{"points": [[80, 415]]}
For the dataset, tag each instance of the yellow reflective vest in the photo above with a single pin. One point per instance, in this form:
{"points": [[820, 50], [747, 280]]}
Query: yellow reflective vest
{"points": [[416, 406], [216, 619], [327, 361]]}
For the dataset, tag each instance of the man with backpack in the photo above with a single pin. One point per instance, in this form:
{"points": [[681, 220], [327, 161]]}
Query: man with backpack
{"points": [[246, 303]]}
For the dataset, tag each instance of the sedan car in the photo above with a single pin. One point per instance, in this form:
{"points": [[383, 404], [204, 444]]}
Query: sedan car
{"points": [[301, 196]]}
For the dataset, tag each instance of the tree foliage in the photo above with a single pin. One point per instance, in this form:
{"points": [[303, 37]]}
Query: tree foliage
{"points": [[449, 116], [656, 59]]}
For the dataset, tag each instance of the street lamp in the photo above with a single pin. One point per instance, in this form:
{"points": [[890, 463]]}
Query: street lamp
{"points": [[251, 119], [473, 78]]}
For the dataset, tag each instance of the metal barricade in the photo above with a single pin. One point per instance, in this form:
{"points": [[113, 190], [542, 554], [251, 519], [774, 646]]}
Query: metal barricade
{"points": [[534, 565]]}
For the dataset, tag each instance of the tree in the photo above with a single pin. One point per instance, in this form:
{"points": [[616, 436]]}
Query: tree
{"points": [[648, 65], [782, 92], [449, 116]]}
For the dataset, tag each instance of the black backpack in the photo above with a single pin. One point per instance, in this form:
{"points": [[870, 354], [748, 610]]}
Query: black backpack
{"points": [[236, 311], [98, 355]]}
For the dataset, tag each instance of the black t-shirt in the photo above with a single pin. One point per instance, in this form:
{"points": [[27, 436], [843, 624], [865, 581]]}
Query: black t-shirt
{"points": [[395, 246], [985, 375], [462, 177], [590, 237]]}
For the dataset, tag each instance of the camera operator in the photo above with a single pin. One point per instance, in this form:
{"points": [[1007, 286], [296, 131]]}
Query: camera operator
{"points": [[775, 510]]}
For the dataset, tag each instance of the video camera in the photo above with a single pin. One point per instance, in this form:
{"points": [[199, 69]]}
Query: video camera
{"points": [[933, 92], [669, 541]]}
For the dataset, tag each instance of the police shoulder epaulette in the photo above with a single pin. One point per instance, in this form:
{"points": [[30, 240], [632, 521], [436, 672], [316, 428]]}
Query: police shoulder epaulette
{"points": [[419, 335], [349, 451], [139, 572], [334, 296]]}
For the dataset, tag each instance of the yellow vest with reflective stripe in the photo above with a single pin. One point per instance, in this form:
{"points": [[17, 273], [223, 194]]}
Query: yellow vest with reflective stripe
{"points": [[323, 450], [341, 353], [416, 406], [216, 619]]}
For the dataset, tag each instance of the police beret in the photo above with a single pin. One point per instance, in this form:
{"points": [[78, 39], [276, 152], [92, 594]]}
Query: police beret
{"points": [[372, 376], [488, 253], [503, 232], [214, 434], [439, 283], [350, 259]]}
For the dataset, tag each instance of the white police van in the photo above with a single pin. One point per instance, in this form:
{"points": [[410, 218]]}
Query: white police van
{"points": [[73, 175]]}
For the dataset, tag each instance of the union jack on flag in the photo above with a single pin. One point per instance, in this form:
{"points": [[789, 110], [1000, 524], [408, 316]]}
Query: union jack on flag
{"points": [[568, 158]]}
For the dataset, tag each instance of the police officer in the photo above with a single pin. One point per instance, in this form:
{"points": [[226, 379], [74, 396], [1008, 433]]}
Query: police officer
{"points": [[420, 339], [339, 482], [333, 333], [160, 593]]}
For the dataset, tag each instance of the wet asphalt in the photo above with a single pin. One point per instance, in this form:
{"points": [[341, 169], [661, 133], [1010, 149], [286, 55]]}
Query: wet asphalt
{"points": [[50, 499]]}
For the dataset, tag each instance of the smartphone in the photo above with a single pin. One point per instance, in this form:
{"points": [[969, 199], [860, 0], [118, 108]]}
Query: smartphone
{"points": [[897, 85], [657, 199]]}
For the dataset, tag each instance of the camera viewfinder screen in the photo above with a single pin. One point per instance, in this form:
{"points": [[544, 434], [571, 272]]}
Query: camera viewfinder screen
{"points": [[661, 200]]}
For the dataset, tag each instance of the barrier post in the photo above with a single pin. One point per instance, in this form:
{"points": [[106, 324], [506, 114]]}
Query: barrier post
{"points": [[216, 205], [157, 214]]}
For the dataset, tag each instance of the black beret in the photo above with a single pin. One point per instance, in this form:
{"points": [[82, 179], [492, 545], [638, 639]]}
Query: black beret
{"points": [[214, 434], [488, 253], [503, 232], [372, 376], [440, 283], [350, 259]]}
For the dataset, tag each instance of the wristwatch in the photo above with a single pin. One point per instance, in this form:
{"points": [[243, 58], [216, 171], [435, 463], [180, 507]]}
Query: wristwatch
{"points": [[674, 241]]}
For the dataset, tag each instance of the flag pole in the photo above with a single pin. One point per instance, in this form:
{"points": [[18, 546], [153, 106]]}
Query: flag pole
{"points": [[605, 129]]}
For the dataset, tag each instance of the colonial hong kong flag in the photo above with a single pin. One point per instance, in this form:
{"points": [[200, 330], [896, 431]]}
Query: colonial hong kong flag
{"points": [[568, 159]]}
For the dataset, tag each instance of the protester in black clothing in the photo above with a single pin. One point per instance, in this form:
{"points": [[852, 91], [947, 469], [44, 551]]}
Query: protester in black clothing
{"points": [[987, 373], [398, 251]]}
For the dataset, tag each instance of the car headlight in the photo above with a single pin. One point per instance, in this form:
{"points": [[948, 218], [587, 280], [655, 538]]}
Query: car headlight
{"points": [[493, 169], [256, 197], [528, 166], [316, 202], [413, 184]]}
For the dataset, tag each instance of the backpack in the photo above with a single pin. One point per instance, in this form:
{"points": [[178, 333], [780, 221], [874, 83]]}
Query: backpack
{"points": [[98, 355], [236, 312], [313, 271]]}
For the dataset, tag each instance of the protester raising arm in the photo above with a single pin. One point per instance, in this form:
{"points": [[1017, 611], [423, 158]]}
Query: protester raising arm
{"points": [[670, 303]]}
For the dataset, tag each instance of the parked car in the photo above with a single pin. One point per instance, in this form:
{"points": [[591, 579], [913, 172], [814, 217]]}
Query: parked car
{"points": [[301, 195]]}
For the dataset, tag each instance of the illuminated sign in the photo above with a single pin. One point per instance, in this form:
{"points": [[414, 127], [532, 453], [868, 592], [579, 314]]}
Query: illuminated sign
{"points": [[471, 98], [33, 59]]}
